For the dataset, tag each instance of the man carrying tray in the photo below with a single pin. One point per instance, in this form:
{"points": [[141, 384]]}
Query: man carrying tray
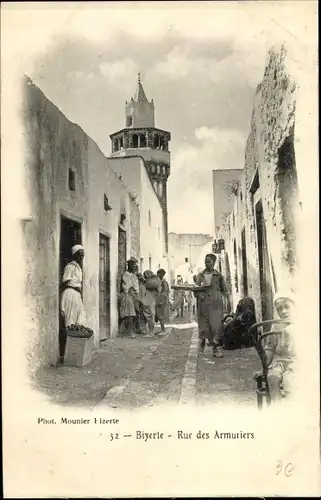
{"points": [[211, 304]]}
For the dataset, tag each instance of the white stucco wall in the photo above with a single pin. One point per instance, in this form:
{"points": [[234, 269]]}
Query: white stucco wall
{"points": [[152, 234], [133, 172]]}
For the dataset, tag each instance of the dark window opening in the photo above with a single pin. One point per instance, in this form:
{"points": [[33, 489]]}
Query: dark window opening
{"points": [[135, 141], [286, 155], [186, 259], [72, 180], [129, 121], [156, 141], [142, 139], [107, 207]]}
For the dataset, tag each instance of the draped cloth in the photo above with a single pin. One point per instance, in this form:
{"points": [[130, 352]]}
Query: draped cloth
{"points": [[210, 305], [128, 295], [71, 305], [162, 303]]}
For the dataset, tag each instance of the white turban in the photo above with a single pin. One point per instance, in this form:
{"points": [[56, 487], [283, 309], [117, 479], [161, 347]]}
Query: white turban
{"points": [[284, 295], [76, 249]]}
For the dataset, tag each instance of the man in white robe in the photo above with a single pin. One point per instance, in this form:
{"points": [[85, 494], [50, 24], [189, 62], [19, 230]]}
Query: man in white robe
{"points": [[72, 307]]}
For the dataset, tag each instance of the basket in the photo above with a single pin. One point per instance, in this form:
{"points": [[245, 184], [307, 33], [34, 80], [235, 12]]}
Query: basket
{"points": [[79, 331]]}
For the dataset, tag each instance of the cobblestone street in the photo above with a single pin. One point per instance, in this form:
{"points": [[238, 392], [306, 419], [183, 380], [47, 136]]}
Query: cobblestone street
{"points": [[229, 379], [158, 376], [148, 371]]}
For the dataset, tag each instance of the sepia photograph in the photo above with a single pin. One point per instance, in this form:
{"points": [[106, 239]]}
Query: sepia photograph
{"points": [[160, 256]]}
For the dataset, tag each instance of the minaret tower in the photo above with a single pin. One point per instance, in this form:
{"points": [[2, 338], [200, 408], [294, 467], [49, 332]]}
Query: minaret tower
{"points": [[142, 138]]}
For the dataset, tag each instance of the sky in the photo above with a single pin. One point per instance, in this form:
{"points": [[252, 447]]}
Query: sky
{"points": [[200, 65]]}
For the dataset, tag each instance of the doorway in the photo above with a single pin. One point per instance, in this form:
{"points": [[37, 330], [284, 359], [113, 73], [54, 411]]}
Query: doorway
{"points": [[122, 255], [122, 258], [104, 287], [70, 235], [244, 264], [228, 273], [236, 278], [264, 265]]}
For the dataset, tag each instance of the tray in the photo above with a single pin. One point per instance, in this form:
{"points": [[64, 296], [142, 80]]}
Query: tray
{"points": [[190, 288]]}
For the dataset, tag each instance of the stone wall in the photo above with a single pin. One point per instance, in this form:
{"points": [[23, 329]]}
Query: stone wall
{"points": [[269, 177]]}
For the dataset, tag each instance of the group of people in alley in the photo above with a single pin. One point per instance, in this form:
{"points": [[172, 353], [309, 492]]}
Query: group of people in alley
{"points": [[144, 301]]}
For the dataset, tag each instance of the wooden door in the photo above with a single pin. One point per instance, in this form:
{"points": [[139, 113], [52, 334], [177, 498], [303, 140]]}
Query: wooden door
{"points": [[104, 287], [122, 255]]}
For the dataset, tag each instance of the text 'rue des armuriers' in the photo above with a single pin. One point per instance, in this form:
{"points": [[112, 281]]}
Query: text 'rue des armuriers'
{"points": [[151, 436]]}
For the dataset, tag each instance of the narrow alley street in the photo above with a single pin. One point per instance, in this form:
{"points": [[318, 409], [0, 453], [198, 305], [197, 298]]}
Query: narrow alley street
{"points": [[149, 371]]}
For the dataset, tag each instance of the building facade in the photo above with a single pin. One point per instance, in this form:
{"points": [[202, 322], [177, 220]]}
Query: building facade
{"points": [[74, 197], [259, 232], [132, 171]]}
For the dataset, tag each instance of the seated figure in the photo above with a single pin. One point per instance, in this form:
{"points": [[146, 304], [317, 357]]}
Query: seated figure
{"points": [[279, 349], [235, 327]]}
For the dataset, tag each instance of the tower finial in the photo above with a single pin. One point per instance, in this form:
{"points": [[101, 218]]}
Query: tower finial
{"points": [[140, 94]]}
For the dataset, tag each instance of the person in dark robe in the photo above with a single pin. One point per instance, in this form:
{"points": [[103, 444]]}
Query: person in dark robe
{"points": [[211, 304], [162, 303], [236, 326]]}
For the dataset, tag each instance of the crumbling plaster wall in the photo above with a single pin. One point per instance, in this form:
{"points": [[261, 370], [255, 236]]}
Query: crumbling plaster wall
{"points": [[269, 144], [275, 124]]}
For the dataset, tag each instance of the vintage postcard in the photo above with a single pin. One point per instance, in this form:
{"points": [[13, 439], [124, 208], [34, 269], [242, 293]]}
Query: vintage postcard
{"points": [[160, 249]]}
